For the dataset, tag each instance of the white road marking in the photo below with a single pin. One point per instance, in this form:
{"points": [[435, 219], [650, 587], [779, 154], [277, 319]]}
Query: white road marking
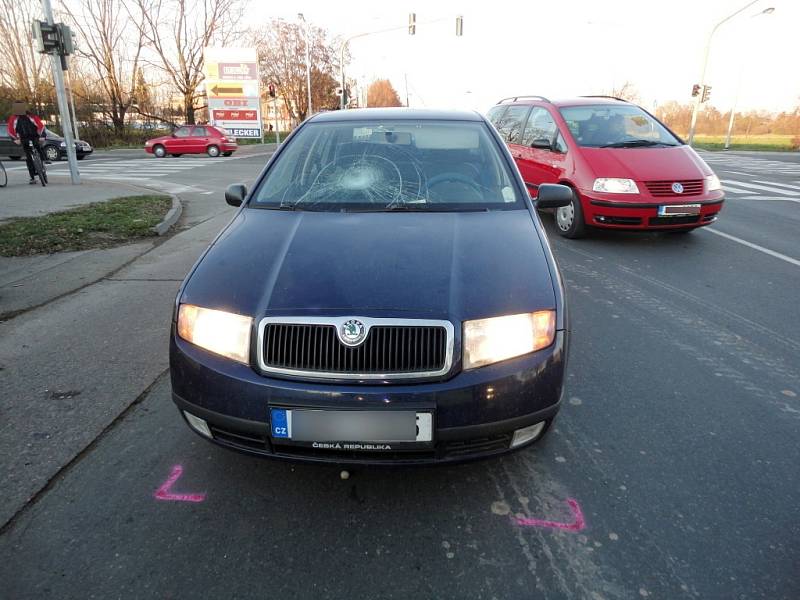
{"points": [[735, 190], [781, 198], [786, 185], [783, 257], [766, 188]]}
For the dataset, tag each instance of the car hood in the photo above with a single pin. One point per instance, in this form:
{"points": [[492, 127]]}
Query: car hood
{"points": [[427, 265], [162, 138], [645, 164]]}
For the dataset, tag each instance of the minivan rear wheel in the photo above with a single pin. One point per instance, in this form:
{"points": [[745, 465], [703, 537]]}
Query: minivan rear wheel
{"points": [[569, 219]]}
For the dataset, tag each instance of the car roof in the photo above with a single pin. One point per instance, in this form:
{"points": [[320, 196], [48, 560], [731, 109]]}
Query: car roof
{"points": [[577, 101], [370, 114]]}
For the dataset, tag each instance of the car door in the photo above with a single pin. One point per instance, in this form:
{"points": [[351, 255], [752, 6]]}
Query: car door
{"points": [[7, 146], [180, 142], [199, 139], [542, 149]]}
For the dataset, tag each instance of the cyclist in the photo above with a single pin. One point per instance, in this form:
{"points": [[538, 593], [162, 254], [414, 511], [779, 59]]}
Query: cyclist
{"points": [[23, 126]]}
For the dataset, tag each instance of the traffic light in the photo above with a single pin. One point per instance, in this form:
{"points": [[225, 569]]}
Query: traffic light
{"points": [[459, 26], [706, 93], [45, 37], [65, 39], [695, 90], [412, 23], [271, 89]]}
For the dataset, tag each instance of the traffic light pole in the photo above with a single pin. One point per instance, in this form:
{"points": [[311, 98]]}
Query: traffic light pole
{"points": [[412, 26], [63, 106], [697, 100]]}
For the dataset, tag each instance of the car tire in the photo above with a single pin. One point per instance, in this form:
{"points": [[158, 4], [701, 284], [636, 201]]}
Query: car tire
{"points": [[51, 153], [569, 219], [212, 151], [227, 153], [176, 155], [15, 157], [81, 156], [159, 151]]}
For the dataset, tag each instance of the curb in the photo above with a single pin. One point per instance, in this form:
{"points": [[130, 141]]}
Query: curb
{"points": [[171, 217]]}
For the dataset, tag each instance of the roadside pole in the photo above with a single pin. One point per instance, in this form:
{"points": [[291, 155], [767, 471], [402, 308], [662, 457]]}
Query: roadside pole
{"points": [[275, 110], [59, 62]]}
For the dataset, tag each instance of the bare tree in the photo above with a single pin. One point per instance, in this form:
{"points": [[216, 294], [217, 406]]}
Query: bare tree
{"points": [[382, 93], [627, 91], [22, 69], [281, 56], [177, 31], [113, 49]]}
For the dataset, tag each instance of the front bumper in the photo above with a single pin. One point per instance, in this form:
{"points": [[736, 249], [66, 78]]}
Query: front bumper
{"points": [[641, 212], [475, 412]]}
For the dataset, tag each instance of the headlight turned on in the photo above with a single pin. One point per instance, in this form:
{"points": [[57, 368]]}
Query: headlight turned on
{"points": [[488, 341], [713, 183], [223, 333], [613, 185]]}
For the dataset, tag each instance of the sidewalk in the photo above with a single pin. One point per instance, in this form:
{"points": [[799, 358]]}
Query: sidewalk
{"points": [[30, 281], [19, 199]]}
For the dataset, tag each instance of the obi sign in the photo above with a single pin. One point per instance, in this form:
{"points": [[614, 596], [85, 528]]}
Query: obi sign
{"points": [[232, 90]]}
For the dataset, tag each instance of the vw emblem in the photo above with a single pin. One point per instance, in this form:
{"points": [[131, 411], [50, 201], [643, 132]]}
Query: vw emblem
{"points": [[677, 188], [352, 332]]}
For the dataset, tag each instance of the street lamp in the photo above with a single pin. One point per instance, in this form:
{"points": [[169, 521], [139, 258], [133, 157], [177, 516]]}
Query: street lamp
{"points": [[308, 62], [766, 11], [705, 65]]}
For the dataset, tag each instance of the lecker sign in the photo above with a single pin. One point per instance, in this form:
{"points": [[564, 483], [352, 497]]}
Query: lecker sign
{"points": [[232, 89]]}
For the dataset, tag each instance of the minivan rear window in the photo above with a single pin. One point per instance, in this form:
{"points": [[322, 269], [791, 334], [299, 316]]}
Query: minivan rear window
{"points": [[606, 125]]}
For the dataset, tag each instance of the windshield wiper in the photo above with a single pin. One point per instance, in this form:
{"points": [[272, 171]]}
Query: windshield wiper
{"points": [[636, 143]]}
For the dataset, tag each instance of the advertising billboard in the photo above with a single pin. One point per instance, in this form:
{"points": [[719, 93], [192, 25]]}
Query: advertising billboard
{"points": [[232, 89]]}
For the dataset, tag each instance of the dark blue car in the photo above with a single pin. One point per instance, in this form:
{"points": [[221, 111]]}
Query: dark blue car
{"points": [[385, 294]]}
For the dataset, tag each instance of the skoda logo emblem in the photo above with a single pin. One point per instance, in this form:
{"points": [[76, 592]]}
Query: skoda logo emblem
{"points": [[352, 332], [677, 188]]}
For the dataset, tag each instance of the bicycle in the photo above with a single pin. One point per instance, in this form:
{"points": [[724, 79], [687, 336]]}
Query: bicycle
{"points": [[38, 165], [3, 175]]}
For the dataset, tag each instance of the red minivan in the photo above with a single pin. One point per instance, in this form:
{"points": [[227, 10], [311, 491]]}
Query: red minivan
{"points": [[193, 139], [627, 170]]}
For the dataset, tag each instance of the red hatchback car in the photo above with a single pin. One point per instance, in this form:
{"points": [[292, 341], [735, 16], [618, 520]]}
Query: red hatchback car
{"points": [[627, 170], [193, 139]]}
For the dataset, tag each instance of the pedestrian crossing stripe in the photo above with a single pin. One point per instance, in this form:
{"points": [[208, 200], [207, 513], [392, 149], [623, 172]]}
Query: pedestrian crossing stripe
{"points": [[783, 185]]}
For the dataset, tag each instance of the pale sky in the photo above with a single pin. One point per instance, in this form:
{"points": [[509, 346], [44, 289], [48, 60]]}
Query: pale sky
{"points": [[567, 47]]}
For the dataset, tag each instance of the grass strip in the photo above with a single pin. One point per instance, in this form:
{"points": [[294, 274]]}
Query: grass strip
{"points": [[97, 225]]}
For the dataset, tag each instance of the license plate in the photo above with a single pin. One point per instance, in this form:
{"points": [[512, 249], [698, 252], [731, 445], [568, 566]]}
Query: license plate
{"points": [[678, 210], [351, 426]]}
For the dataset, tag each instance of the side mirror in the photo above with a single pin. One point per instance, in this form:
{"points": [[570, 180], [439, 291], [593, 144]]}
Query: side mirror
{"points": [[235, 194], [552, 195], [542, 143]]}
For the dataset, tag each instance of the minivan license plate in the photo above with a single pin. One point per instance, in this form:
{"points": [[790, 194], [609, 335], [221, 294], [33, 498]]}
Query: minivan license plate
{"points": [[678, 210]]}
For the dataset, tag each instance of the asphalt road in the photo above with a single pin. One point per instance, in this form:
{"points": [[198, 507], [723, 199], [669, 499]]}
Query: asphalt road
{"points": [[673, 470]]}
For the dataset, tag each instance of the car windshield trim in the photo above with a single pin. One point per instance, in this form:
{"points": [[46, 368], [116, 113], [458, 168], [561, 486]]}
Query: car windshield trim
{"points": [[384, 165]]}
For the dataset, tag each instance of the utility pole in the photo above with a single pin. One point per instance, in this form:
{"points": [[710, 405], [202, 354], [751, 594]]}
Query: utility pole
{"points": [[405, 76], [59, 66], [308, 63]]}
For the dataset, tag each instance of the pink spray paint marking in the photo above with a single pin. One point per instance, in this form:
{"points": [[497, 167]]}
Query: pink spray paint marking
{"points": [[577, 525], [164, 493]]}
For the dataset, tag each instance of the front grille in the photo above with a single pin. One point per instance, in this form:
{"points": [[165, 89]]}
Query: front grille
{"points": [[312, 348], [691, 187]]}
